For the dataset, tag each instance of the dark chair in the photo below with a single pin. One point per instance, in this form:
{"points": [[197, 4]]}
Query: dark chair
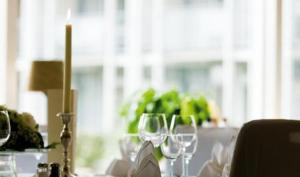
{"points": [[267, 148]]}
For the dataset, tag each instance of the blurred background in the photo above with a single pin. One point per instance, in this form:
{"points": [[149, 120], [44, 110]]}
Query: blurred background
{"points": [[241, 54]]}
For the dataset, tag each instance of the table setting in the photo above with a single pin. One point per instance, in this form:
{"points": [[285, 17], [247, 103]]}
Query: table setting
{"points": [[164, 127], [19, 136], [173, 140], [19, 132], [141, 153]]}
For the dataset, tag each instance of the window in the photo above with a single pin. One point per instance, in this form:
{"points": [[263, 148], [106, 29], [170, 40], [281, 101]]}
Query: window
{"points": [[2, 48], [291, 64], [90, 7], [221, 48]]}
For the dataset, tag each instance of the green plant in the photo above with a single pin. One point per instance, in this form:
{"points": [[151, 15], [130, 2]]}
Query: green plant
{"points": [[24, 132], [169, 103]]}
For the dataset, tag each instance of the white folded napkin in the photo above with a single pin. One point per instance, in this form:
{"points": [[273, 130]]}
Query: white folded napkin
{"points": [[230, 151], [226, 170], [220, 158], [145, 164], [118, 168], [146, 149]]}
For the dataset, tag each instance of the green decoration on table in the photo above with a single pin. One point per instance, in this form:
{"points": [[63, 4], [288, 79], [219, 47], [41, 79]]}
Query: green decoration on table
{"points": [[169, 103], [24, 132]]}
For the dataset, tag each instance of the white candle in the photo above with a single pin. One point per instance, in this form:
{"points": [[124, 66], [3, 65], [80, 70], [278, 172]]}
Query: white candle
{"points": [[67, 67]]}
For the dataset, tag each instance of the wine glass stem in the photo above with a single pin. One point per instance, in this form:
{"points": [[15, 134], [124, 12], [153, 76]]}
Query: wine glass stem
{"points": [[171, 161], [186, 166], [183, 162]]}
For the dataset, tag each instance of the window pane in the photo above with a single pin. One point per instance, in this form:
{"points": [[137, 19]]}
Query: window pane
{"points": [[291, 67], [191, 25], [90, 7], [88, 82], [197, 79], [242, 18], [240, 101], [295, 112], [2, 48]]}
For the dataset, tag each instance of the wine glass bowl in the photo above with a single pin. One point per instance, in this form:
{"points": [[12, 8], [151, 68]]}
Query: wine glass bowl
{"points": [[5, 129], [184, 129], [185, 126], [170, 148], [186, 138], [153, 127], [191, 149], [7, 161]]}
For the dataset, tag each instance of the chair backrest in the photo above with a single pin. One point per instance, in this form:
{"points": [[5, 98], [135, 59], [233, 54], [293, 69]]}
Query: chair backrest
{"points": [[207, 137], [267, 148]]}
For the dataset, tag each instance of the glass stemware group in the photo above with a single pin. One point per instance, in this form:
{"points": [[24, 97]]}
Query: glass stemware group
{"points": [[180, 138]]}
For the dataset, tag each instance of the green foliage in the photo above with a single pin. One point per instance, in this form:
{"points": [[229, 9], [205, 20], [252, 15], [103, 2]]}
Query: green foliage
{"points": [[23, 135], [169, 103], [90, 149], [53, 145]]}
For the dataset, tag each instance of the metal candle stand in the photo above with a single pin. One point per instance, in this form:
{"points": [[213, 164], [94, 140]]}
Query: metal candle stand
{"points": [[65, 138]]}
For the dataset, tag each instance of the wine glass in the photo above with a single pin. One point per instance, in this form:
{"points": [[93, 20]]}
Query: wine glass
{"points": [[130, 145], [188, 154], [153, 127], [185, 129], [171, 150], [7, 161], [4, 127]]}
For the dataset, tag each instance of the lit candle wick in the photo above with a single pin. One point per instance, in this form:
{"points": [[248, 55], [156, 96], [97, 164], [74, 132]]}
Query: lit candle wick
{"points": [[69, 16]]}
